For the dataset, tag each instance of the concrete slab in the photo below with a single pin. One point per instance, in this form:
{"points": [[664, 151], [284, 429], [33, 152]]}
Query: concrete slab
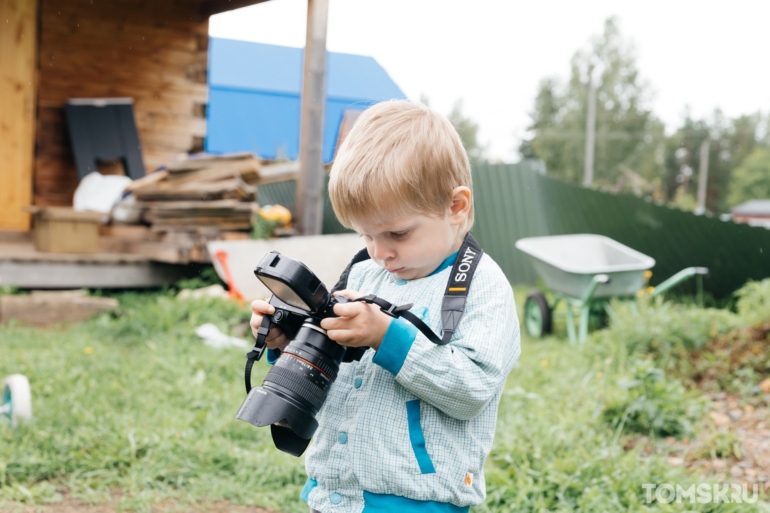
{"points": [[325, 255]]}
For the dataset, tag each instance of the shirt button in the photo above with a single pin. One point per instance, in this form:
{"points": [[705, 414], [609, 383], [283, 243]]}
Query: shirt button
{"points": [[357, 383], [335, 498], [400, 282], [343, 438]]}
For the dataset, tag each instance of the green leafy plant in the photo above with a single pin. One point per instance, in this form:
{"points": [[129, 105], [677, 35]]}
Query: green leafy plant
{"points": [[653, 405], [207, 275], [664, 331], [754, 302], [263, 228]]}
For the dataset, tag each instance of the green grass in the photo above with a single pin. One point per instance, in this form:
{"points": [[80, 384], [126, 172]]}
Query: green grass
{"points": [[148, 413]]}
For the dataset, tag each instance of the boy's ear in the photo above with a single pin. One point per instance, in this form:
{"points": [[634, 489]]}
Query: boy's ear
{"points": [[461, 204]]}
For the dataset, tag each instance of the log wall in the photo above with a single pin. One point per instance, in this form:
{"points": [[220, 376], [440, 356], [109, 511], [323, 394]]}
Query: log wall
{"points": [[18, 59], [153, 51]]}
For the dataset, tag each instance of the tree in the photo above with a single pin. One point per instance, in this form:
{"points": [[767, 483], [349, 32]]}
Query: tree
{"points": [[628, 136], [751, 180], [468, 130], [731, 140]]}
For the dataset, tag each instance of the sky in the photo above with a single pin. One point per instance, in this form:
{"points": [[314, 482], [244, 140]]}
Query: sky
{"points": [[492, 54]]}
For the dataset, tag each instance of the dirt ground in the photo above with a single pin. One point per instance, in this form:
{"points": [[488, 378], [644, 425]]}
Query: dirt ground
{"points": [[70, 505], [750, 427], [734, 447]]}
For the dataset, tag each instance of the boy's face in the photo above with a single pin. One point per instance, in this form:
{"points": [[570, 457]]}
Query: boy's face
{"points": [[413, 246]]}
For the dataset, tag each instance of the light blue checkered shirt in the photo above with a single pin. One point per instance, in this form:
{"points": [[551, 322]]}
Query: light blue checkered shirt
{"points": [[415, 419]]}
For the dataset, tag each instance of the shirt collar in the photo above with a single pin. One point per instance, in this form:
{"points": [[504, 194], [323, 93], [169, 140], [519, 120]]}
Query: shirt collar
{"points": [[448, 261]]}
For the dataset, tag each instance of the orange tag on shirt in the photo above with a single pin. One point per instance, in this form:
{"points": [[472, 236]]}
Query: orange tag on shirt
{"points": [[468, 479]]}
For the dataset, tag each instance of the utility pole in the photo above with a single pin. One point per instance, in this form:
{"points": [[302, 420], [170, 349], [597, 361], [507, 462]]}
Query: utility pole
{"points": [[309, 201], [588, 173], [703, 176]]}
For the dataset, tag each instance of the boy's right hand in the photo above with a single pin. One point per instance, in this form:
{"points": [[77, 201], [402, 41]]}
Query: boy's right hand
{"points": [[275, 337]]}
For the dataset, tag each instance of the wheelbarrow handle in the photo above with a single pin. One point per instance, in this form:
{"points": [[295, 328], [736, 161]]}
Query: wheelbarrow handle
{"points": [[678, 278]]}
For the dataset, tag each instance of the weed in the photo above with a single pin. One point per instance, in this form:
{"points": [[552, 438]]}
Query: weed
{"points": [[653, 404]]}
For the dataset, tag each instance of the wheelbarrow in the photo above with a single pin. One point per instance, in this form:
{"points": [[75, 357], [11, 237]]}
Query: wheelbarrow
{"points": [[16, 400], [585, 271]]}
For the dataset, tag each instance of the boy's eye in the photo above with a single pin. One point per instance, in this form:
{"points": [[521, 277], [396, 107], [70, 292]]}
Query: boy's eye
{"points": [[399, 235]]}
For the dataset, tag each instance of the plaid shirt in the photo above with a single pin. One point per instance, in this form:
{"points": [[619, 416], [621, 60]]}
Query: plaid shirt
{"points": [[416, 420]]}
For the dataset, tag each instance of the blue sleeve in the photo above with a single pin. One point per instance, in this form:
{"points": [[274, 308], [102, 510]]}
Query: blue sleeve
{"points": [[395, 345], [272, 355]]}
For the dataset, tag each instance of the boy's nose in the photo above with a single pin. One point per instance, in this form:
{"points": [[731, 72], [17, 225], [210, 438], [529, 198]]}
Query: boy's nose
{"points": [[382, 252]]}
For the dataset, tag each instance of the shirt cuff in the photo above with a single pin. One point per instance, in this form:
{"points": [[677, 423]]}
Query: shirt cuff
{"points": [[395, 345], [273, 355]]}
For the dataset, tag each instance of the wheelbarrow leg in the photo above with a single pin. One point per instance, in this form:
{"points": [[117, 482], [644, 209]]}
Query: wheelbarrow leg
{"points": [[585, 310]]}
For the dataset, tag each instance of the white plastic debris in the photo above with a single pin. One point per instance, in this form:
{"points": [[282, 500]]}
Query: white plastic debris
{"points": [[99, 193], [215, 291], [212, 337]]}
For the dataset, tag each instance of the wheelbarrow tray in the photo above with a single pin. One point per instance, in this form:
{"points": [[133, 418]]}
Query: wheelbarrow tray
{"points": [[568, 263]]}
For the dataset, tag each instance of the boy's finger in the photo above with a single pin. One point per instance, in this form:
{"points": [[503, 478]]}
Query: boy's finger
{"points": [[348, 309], [262, 307], [333, 323], [348, 293], [340, 336]]}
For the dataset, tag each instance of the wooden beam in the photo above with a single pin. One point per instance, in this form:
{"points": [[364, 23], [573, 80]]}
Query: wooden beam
{"points": [[211, 7], [18, 62], [309, 203]]}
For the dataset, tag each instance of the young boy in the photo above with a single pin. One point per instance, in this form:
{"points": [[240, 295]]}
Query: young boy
{"points": [[408, 427]]}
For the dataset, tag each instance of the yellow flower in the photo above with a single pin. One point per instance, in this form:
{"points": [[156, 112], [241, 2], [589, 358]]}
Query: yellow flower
{"points": [[599, 374], [88, 350], [544, 363], [650, 290], [640, 293]]}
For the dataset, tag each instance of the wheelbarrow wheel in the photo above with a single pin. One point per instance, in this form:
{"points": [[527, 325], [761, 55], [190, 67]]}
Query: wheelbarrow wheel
{"points": [[16, 399], [537, 314]]}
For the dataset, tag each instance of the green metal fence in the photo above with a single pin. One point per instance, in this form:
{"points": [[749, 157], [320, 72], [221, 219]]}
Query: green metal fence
{"points": [[517, 200], [513, 201]]}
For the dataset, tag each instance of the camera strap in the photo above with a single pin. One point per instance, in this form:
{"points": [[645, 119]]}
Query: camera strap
{"points": [[260, 344], [455, 295]]}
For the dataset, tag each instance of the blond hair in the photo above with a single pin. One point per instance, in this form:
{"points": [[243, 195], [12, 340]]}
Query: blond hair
{"points": [[399, 158]]}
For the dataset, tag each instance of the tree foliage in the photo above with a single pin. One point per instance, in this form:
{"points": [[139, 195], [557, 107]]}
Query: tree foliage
{"points": [[632, 152], [627, 133], [731, 140], [468, 130], [751, 180]]}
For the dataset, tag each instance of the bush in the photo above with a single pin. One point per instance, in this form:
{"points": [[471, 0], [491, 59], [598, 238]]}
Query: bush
{"points": [[653, 405], [754, 302], [665, 331]]}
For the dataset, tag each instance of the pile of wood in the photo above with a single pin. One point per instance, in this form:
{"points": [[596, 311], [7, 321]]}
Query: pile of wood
{"points": [[188, 203], [200, 192]]}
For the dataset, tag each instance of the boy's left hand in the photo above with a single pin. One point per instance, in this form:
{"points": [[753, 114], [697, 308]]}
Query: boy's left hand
{"points": [[358, 324]]}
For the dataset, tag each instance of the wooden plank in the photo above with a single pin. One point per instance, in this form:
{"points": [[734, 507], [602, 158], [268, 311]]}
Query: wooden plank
{"points": [[211, 7], [278, 172], [18, 52], [66, 275], [45, 309]]}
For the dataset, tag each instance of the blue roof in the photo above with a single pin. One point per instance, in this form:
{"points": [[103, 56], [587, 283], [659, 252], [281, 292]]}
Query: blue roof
{"points": [[278, 69], [254, 97]]}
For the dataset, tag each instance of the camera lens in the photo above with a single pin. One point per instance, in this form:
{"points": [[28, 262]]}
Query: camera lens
{"points": [[295, 388]]}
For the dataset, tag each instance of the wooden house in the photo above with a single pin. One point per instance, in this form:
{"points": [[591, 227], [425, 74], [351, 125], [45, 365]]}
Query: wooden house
{"points": [[154, 51]]}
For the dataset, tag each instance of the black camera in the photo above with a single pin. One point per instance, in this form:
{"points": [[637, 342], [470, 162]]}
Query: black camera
{"points": [[296, 386]]}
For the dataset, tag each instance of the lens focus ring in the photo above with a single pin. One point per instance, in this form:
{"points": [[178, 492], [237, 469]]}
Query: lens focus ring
{"points": [[327, 369], [297, 384]]}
